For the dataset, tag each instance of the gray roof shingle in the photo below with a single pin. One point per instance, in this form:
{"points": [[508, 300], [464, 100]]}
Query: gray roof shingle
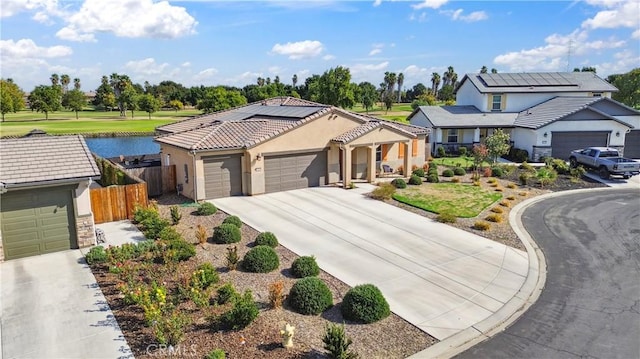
{"points": [[466, 117], [539, 82], [41, 159]]}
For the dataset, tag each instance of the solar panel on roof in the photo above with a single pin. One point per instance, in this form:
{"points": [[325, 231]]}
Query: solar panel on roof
{"points": [[527, 79]]}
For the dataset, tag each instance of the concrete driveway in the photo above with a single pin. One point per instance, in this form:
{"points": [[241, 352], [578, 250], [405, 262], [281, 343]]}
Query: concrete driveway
{"points": [[439, 278], [52, 307]]}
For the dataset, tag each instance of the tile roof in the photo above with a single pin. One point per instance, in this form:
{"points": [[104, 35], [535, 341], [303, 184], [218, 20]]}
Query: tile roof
{"points": [[466, 117], [367, 127], [539, 82], [40, 159], [558, 108]]}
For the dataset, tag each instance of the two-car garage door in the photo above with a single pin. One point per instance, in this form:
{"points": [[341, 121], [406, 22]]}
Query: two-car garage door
{"points": [[293, 171], [37, 221], [562, 143]]}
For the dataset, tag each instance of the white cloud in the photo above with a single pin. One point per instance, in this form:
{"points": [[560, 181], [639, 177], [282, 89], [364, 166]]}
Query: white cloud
{"points": [[328, 57], [43, 8], [361, 69], [299, 50], [27, 49], [206, 73], [377, 3], [457, 15], [422, 17], [617, 14], [275, 70], [186, 64], [636, 34], [623, 61], [147, 67], [375, 51], [431, 4], [553, 56], [126, 18]]}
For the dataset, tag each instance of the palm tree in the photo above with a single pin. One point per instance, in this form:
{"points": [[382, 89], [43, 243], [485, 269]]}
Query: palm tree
{"points": [[55, 79], [65, 80], [494, 71], [484, 70], [435, 82], [400, 82], [260, 81], [76, 83], [449, 77], [294, 80]]}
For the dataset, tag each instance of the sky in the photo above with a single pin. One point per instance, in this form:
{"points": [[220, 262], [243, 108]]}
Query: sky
{"points": [[209, 42]]}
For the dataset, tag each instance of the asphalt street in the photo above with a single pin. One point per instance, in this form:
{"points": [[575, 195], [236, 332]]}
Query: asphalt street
{"points": [[590, 306]]}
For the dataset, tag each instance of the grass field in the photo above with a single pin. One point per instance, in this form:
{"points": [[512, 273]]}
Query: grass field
{"points": [[460, 200], [64, 122]]}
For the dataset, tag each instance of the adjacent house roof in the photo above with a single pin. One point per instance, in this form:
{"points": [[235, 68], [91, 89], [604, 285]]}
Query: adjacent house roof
{"points": [[538, 82], [41, 159], [249, 125], [465, 117], [558, 108]]}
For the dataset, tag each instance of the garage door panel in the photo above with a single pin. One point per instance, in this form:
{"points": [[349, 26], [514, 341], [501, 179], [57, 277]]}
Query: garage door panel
{"points": [[223, 176], [287, 172], [562, 143], [632, 144], [37, 221]]}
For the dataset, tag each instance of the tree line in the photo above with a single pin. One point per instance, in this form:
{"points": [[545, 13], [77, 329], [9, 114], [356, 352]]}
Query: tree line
{"points": [[333, 87]]}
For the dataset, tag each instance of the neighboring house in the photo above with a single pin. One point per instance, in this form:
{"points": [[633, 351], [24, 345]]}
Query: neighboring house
{"points": [[546, 114], [44, 195], [284, 143]]}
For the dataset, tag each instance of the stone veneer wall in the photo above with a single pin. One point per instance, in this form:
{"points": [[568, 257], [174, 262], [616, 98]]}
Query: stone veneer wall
{"points": [[539, 152], [85, 231]]}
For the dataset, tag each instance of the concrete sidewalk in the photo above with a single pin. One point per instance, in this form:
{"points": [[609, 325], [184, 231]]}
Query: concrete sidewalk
{"points": [[439, 278]]}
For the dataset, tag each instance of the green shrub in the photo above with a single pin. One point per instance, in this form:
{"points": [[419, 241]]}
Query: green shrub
{"points": [[524, 178], [459, 171], [175, 214], [169, 234], [216, 354], [433, 178], [141, 213], [226, 233], [235, 220], [96, 255], [204, 276], [232, 257], [337, 343], [206, 209], [415, 180], [310, 296], [119, 254], [365, 303], [169, 329], [462, 151], [446, 218], [244, 311], [261, 259], [176, 250], [577, 172], [266, 239], [305, 266], [441, 152], [497, 172], [447, 173], [517, 155], [226, 293], [152, 226], [418, 172], [399, 183], [432, 170], [383, 192], [526, 166], [560, 166], [546, 176]]}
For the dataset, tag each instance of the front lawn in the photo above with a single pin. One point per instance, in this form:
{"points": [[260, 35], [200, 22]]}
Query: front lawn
{"points": [[459, 161], [460, 200]]}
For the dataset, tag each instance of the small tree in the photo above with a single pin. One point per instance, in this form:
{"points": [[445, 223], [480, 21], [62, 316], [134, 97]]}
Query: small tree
{"points": [[12, 97], [480, 154], [46, 99], [148, 103], [176, 105], [497, 144], [74, 100]]}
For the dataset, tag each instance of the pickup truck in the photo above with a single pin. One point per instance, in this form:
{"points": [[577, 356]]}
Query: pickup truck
{"points": [[606, 160]]}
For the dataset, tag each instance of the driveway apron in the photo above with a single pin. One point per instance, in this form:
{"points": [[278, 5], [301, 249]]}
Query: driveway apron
{"points": [[52, 307], [439, 278]]}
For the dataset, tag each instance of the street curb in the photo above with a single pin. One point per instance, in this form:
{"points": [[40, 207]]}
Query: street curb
{"points": [[514, 308]]}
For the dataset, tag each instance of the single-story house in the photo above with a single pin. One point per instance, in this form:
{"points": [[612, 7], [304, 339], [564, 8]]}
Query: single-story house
{"points": [[284, 143], [44, 195], [546, 114]]}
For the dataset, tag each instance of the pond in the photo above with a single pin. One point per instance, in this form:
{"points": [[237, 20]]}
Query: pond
{"points": [[115, 146]]}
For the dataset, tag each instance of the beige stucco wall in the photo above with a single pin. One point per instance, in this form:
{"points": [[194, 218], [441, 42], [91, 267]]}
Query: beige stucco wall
{"points": [[180, 157]]}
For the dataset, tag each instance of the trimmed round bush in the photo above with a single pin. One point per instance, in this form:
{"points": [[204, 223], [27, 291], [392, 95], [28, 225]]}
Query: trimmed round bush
{"points": [[305, 266], [365, 303], [261, 259], [226, 233], [96, 255], [418, 172], [447, 173], [497, 172], [206, 209], [462, 151], [310, 296], [433, 178], [267, 239], [235, 220], [399, 183], [415, 180], [459, 171]]}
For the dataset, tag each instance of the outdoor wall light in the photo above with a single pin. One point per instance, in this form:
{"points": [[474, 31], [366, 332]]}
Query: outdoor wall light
{"points": [[617, 133], [259, 157], [545, 135]]}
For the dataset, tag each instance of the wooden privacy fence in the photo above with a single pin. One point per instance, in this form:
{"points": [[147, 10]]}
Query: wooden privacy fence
{"points": [[160, 179], [115, 203]]}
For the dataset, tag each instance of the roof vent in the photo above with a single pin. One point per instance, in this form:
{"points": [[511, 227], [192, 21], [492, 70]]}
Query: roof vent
{"points": [[35, 133]]}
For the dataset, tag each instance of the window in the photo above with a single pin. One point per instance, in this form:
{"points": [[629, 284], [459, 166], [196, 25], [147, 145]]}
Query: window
{"points": [[483, 134], [186, 173], [496, 102], [379, 153], [452, 136]]}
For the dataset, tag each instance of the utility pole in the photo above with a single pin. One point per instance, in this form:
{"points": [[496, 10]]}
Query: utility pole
{"points": [[569, 54]]}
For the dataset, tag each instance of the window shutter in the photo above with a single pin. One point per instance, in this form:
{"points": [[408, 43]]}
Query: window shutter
{"points": [[414, 147], [385, 152], [401, 150]]}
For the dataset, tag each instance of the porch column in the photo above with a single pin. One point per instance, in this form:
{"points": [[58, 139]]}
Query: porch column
{"points": [[476, 135], [346, 166], [371, 164], [407, 158], [438, 135]]}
